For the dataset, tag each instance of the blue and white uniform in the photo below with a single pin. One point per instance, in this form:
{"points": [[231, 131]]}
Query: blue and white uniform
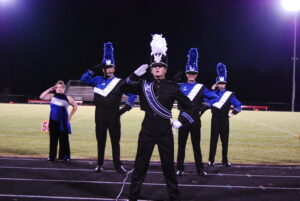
{"points": [[220, 108], [107, 96], [196, 92], [59, 127]]}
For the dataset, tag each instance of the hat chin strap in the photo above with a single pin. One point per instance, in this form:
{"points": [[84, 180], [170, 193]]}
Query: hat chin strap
{"points": [[160, 77]]}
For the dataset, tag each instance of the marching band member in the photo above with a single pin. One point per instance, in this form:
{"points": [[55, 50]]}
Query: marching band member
{"points": [[108, 91], [196, 92], [156, 98], [220, 115]]}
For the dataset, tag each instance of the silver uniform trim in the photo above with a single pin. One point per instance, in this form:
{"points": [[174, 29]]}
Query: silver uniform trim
{"points": [[59, 102], [104, 92], [194, 91], [222, 100]]}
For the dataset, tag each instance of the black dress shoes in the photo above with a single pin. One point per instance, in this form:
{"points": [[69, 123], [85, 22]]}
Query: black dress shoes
{"points": [[121, 169], [179, 173], [212, 164], [50, 159], [67, 159], [201, 172], [99, 168], [226, 164]]}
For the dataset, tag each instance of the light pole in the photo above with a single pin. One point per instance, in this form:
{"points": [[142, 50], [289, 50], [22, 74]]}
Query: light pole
{"points": [[293, 5]]}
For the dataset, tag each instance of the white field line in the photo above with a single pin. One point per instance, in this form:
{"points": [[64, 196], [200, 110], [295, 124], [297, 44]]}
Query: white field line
{"points": [[150, 172], [157, 163], [57, 197], [269, 126], [150, 184]]}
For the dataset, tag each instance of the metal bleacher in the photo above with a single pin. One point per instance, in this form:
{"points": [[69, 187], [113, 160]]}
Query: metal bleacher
{"points": [[79, 91], [83, 93]]}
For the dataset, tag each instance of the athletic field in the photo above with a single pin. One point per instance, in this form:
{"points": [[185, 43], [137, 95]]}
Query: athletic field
{"points": [[255, 136]]}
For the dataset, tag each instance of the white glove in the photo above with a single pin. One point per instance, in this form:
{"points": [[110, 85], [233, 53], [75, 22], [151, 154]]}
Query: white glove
{"points": [[141, 70], [176, 124], [230, 115]]}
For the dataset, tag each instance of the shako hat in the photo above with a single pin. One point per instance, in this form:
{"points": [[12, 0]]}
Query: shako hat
{"points": [[158, 51], [192, 63], [222, 73], [108, 56]]}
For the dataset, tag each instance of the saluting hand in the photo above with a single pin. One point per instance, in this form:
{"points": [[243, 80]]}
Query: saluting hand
{"points": [[141, 70]]}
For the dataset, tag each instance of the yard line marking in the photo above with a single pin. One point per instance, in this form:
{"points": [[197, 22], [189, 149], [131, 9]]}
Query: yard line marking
{"points": [[56, 197], [148, 184], [158, 163], [150, 172], [269, 126]]}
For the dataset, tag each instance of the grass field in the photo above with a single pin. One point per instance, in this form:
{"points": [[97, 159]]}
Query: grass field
{"points": [[255, 136]]}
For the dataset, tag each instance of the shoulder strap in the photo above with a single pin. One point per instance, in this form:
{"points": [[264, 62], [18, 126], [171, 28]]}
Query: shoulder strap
{"points": [[194, 91], [222, 100], [153, 102]]}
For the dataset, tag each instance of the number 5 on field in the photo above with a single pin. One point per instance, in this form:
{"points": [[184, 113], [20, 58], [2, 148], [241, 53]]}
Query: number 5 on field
{"points": [[45, 126]]}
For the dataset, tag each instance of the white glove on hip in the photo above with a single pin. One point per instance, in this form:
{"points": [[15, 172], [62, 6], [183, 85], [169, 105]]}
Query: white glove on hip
{"points": [[176, 124], [141, 70], [230, 115]]}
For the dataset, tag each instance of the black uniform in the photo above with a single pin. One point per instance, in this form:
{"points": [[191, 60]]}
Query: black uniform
{"points": [[196, 93], [107, 96], [220, 122], [156, 129]]}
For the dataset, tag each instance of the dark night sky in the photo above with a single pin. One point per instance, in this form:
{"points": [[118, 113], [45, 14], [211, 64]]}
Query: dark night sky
{"points": [[42, 41]]}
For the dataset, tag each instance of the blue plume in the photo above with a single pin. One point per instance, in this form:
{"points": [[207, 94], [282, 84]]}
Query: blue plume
{"points": [[192, 64], [221, 70], [108, 54], [193, 57], [222, 73]]}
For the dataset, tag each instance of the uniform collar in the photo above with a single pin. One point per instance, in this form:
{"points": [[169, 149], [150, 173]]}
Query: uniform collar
{"points": [[191, 83]]}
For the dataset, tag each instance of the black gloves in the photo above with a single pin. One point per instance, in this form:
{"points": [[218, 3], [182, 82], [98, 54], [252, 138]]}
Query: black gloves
{"points": [[124, 109], [96, 70], [177, 77]]}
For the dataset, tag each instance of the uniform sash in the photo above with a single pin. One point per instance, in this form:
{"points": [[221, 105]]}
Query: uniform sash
{"points": [[194, 91], [59, 112], [222, 100], [104, 92], [153, 102]]}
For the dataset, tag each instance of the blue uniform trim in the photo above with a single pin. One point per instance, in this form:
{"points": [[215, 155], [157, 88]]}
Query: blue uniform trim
{"points": [[130, 104], [189, 118], [129, 81], [153, 102]]}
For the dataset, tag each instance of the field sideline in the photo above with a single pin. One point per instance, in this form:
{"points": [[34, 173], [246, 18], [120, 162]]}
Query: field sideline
{"points": [[255, 136]]}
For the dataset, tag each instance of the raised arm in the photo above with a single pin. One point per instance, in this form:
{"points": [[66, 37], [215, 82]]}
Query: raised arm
{"points": [[47, 95]]}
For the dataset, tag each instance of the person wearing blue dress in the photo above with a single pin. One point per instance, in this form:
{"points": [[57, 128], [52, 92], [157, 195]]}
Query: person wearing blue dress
{"points": [[59, 123]]}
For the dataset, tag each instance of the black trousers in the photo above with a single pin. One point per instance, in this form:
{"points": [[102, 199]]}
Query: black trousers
{"points": [[155, 130], [108, 119], [58, 136], [219, 126], [183, 133]]}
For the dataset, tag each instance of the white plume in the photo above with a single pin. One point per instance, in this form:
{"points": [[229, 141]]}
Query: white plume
{"points": [[158, 45]]}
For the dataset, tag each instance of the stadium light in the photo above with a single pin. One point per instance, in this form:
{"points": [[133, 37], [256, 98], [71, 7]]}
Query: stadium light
{"points": [[5, 3], [294, 6]]}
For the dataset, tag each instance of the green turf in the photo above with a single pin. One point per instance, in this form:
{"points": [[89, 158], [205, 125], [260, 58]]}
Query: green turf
{"points": [[255, 136]]}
